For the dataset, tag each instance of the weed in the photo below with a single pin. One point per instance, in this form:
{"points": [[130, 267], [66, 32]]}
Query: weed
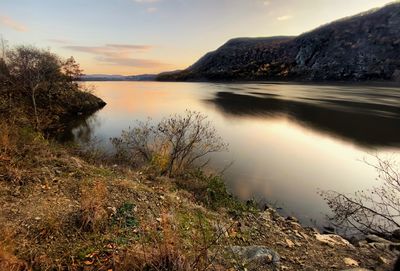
{"points": [[124, 216]]}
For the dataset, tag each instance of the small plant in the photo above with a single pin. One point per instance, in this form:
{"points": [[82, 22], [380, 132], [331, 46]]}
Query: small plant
{"points": [[212, 192], [124, 216]]}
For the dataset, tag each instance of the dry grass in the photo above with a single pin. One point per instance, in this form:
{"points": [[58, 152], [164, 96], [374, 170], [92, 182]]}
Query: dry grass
{"points": [[93, 206], [162, 252], [8, 261]]}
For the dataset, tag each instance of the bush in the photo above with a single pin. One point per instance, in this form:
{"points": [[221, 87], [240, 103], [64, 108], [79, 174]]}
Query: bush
{"points": [[173, 146], [211, 191]]}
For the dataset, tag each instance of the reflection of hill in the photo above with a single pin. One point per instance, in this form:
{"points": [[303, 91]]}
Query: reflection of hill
{"points": [[79, 130], [366, 124]]}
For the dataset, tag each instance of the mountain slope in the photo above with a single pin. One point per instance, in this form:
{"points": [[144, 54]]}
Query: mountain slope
{"points": [[359, 48]]}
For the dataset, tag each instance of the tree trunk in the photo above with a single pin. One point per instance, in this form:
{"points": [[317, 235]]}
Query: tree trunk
{"points": [[34, 106]]}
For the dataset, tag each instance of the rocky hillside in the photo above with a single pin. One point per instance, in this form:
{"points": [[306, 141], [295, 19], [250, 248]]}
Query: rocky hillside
{"points": [[359, 48]]}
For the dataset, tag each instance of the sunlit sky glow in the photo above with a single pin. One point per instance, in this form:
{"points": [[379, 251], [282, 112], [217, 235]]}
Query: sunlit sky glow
{"points": [[149, 36]]}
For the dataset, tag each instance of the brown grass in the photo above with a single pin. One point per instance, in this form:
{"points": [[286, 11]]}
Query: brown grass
{"points": [[162, 253], [93, 206], [8, 261]]}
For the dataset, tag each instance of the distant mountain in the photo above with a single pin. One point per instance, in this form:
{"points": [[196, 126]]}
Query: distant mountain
{"points": [[359, 48], [116, 77]]}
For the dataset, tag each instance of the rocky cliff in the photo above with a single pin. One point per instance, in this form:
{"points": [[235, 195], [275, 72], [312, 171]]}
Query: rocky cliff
{"points": [[359, 48]]}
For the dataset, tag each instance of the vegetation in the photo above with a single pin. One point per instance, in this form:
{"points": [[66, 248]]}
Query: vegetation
{"points": [[65, 209], [38, 83], [173, 146], [61, 212], [375, 211]]}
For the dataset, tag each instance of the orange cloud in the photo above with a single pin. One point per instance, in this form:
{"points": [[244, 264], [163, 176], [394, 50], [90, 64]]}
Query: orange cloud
{"points": [[118, 54], [9, 22]]}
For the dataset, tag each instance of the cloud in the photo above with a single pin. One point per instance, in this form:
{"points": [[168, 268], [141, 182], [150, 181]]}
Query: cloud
{"points": [[146, 1], [130, 62], [284, 18], [118, 54], [110, 50], [60, 41], [129, 46], [9, 22], [152, 10]]}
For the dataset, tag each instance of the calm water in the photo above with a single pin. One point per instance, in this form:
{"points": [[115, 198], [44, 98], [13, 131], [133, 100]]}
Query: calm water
{"points": [[286, 141]]}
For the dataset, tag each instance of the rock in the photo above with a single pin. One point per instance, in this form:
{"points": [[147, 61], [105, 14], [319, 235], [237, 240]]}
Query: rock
{"points": [[254, 257], [396, 234], [371, 238], [383, 260], [357, 269], [291, 218], [333, 240], [289, 243], [329, 230], [350, 262]]}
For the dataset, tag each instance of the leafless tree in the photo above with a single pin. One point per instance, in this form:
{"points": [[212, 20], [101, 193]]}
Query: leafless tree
{"points": [[3, 47], [176, 143], [31, 70], [371, 211]]}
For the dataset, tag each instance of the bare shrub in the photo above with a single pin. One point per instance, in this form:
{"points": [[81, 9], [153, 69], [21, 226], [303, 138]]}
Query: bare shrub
{"points": [[93, 206], [371, 211], [173, 146]]}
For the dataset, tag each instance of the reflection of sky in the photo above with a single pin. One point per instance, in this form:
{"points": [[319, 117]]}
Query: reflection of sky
{"points": [[275, 158], [149, 36]]}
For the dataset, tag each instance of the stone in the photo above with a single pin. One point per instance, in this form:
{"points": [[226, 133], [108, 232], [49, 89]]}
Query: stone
{"points": [[333, 240], [329, 230], [383, 260], [371, 238], [292, 218], [396, 234], [289, 243], [357, 269], [350, 262], [255, 257]]}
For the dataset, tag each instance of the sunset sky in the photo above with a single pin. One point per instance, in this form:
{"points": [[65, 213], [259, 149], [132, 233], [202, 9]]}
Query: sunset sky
{"points": [[149, 36]]}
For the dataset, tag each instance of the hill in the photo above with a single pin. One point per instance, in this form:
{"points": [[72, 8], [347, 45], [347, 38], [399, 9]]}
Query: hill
{"points": [[360, 48]]}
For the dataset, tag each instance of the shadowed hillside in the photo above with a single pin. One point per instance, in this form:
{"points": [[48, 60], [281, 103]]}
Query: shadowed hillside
{"points": [[360, 48]]}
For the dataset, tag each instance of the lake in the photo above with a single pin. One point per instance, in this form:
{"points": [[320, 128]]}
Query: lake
{"points": [[286, 141]]}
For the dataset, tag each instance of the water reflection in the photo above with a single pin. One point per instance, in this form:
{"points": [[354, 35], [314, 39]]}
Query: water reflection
{"points": [[81, 130], [286, 140], [368, 124]]}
